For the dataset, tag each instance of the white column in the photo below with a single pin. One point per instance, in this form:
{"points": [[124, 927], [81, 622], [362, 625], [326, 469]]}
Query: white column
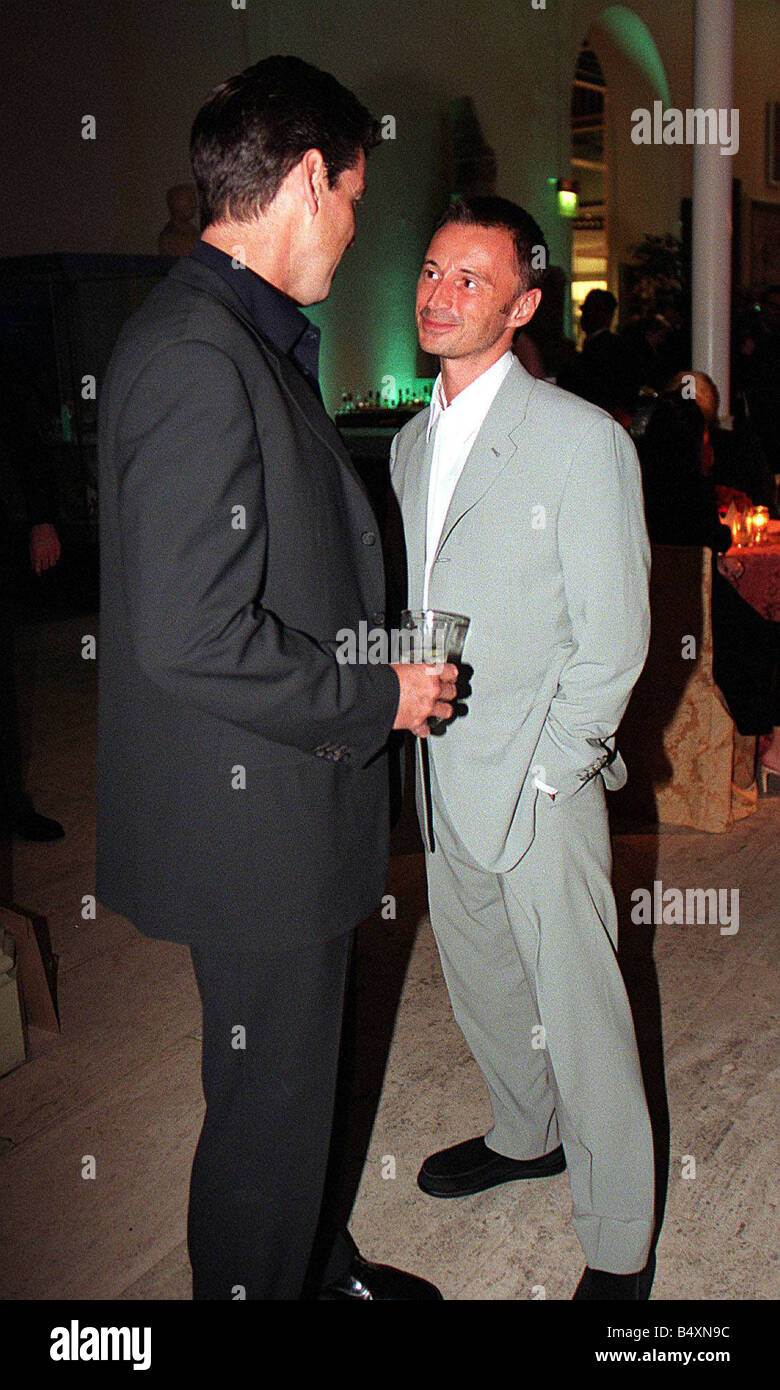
{"points": [[713, 69]]}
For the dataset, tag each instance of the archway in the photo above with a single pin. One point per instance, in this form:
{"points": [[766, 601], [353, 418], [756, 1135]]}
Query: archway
{"points": [[589, 167], [626, 193]]}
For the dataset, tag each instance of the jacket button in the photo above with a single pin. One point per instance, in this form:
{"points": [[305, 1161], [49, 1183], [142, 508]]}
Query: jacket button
{"points": [[379, 619], [368, 537]]}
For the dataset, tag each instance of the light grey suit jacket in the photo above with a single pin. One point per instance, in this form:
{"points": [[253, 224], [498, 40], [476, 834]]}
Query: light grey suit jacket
{"points": [[545, 549]]}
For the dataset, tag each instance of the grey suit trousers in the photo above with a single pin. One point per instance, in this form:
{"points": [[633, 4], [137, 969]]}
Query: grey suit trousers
{"points": [[530, 964]]}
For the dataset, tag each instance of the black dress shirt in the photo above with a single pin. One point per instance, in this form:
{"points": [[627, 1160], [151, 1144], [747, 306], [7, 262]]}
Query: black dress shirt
{"points": [[274, 314]]}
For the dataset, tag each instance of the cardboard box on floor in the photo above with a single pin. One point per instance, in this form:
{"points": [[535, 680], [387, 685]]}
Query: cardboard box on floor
{"points": [[27, 977]]}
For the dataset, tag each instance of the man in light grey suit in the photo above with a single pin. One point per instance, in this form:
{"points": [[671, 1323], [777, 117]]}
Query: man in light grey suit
{"points": [[522, 508]]}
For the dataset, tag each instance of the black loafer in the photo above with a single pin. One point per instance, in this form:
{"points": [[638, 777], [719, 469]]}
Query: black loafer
{"points": [[598, 1285], [473, 1167], [369, 1281]]}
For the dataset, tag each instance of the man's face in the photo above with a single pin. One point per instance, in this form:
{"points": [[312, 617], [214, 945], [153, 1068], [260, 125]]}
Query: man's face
{"points": [[334, 229], [468, 293]]}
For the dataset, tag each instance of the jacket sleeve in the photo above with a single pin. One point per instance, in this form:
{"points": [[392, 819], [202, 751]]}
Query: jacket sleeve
{"points": [[605, 560], [186, 453]]}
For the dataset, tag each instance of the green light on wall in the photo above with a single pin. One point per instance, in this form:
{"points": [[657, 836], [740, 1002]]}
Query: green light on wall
{"points": [[568, 197], [633, 37]]}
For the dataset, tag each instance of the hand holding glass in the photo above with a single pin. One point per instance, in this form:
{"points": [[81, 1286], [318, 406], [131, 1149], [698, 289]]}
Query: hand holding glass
{"points": [[433, 637]]}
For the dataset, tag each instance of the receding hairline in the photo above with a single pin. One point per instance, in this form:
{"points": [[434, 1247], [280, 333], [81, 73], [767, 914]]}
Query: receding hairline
{"points": [[485, 227]]}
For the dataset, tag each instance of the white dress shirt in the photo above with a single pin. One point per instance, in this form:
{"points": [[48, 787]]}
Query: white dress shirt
{"points": [[454, 427]]}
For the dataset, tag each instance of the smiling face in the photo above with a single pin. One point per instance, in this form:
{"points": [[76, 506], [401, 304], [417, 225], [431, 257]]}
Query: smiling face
{"points": [[469, 295]]}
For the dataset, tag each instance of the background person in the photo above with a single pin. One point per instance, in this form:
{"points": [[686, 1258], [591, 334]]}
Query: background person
{"points": [[606, 372]]}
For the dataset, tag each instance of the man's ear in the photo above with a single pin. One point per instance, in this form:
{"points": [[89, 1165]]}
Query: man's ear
{"points": [[524, 308], [313, 174]]}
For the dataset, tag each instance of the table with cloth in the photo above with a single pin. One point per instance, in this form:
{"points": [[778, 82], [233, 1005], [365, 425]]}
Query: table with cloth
{"points": [[754, 571]]}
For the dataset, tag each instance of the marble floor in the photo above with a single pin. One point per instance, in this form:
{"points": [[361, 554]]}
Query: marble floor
{"points": [[121, 1081]]}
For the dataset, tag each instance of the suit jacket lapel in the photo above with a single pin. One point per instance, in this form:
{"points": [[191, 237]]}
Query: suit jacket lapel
{"points": [[493, 447], [203, 278]]}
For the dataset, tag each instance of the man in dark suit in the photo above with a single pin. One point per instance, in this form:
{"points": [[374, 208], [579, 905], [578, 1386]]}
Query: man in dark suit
{"points": [[606, 372], [243, 789]]}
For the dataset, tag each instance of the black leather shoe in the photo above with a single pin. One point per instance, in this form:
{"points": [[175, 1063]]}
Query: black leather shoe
{"points": [[369, 1281], [29, 825], [597, 1285], [473, 1167]]}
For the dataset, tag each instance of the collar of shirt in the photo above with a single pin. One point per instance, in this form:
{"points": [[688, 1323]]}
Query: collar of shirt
{"points": [[469, 408], [276, 316]]}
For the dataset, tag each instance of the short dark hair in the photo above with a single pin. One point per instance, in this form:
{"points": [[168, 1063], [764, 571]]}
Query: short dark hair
{"points": [[598, 306], [491, 211], [603, 301], [254, 128]]}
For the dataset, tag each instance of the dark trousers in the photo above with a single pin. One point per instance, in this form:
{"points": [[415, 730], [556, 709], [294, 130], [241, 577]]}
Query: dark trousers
{"points": [[258, 1224], [745, 660]]}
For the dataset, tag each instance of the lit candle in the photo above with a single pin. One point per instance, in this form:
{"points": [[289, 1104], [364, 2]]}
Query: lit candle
{"points": [[759, 525]]}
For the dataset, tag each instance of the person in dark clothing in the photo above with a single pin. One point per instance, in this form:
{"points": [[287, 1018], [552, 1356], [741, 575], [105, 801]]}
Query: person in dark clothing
{"points": [[655, 348], [243, 799], [681, 509], [746, 663], [680, 502], [732, 458], [605, 372], [21, 464]]}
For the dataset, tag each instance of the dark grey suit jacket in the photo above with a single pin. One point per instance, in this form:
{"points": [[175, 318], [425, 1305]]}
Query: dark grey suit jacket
{"points": [[242, 777]]}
